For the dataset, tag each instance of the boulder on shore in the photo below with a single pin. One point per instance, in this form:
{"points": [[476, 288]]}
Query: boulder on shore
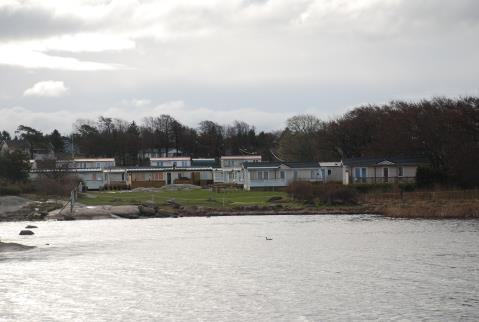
{"points": [[147, 211], [13, 247], [173, 203], [31, 227], [26, 232], [130, 212], [90, 213]]}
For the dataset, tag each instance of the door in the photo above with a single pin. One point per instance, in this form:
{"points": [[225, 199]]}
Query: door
{"points": [[168, 178], [386, 174], [196, 178]]}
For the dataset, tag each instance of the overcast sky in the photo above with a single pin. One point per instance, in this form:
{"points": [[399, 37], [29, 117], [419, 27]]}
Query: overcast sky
{"points": [[260, 61]]}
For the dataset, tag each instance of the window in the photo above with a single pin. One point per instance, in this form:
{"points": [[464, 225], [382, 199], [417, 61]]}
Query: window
{"points": [[266, 175], [400, 171], [282, 174], [363, 172], [357, 172], [329, 172], [260, 175]]}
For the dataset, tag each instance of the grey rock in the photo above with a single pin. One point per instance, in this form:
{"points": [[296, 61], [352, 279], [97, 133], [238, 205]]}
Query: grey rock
{"points": [[130, 212], [147, 211], [173, 203], [13, 247], [26, 232]]}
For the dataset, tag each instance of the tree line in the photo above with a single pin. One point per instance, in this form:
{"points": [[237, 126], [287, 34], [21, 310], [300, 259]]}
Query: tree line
{"points": [[444, 131]]}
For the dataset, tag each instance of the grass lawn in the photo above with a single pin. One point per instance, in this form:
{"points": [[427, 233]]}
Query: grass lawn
{"points": [[200, 197]]}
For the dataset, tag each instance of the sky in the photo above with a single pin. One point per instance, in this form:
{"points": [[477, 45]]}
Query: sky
{"points": [[258, 61]]}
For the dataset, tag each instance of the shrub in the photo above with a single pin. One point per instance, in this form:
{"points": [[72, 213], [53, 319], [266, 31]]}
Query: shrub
{"points": [[336, 194], [407, 187], [14, 166], [427, 177], [10, 188], [372, 187], [56, 186], [301, 190]]}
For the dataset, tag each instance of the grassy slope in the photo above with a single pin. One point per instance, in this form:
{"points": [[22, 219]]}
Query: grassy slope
{"points": [[200, 197]]}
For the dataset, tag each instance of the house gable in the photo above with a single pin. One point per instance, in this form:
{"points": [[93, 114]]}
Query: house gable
{"points": [[385, 162]]}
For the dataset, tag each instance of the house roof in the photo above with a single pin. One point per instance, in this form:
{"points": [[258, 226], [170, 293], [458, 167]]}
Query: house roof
{"points": [[271, 165], [66, 170], [171, 159], [262, 165], [241, 157], [203, 162], [331, 164], [302, 165], [398, 161], [94, 160], [170, 169]]}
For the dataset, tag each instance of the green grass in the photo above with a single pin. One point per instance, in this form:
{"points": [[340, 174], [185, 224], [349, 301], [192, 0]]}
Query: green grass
{"points": [[200, 197]]}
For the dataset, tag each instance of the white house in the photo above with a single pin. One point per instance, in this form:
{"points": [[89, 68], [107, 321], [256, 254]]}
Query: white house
{"points": [[231, 171], [176, 162], [381, 170], [158, 177], [331, 171], [259, 175], [86, 163]]}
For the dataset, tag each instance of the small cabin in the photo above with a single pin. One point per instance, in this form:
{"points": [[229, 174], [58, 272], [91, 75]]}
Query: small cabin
{"points": [[381, 170], [260, 175]]}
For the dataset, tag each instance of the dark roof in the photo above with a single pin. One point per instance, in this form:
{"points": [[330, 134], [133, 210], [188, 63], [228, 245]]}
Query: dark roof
{"points": [[306, 164], [293, 165], [247, 165], [400, 161], [203, 162]]}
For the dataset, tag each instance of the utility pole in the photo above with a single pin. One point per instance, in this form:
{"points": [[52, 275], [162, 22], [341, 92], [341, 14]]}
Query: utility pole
{"points": [[73, 148]]}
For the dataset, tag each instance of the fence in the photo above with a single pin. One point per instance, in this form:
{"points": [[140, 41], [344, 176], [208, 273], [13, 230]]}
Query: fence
{"points": [[423, 195], [375, 180], [73, 198]]}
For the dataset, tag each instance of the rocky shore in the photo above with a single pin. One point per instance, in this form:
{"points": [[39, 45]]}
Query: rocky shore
{"points": [[20, 209], [175, 211]]}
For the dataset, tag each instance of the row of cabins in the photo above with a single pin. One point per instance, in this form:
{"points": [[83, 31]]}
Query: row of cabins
{"points": [[248, 172]]}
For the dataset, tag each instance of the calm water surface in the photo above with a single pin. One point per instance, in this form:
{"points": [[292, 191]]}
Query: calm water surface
{"points": [[315, 268]]}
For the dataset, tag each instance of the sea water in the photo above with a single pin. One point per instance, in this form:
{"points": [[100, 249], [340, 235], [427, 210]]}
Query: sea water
{"points": [[223, 269]]}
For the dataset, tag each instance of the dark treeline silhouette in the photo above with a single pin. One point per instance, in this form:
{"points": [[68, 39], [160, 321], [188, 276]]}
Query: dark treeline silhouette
{"points": [[443, 131], [130, 143]]}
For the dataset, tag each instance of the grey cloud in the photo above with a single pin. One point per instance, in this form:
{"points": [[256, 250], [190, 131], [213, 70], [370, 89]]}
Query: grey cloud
{"points": [[262, 55], [247, 3], [30, 22]]}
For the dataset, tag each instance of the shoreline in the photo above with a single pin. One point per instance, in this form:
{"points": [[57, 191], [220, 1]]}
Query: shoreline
{"points": [[13, 209], [432, 212]]}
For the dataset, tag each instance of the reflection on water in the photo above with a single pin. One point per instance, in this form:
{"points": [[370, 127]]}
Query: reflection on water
{"points": [[315, 268]]}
